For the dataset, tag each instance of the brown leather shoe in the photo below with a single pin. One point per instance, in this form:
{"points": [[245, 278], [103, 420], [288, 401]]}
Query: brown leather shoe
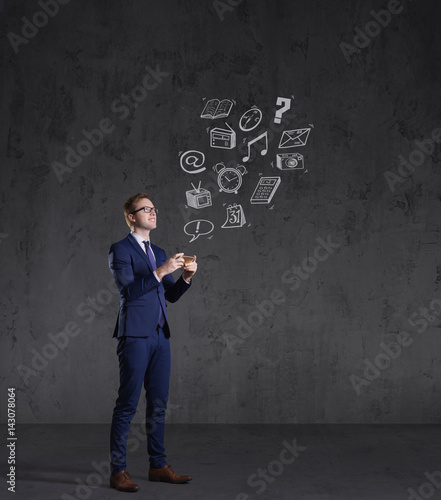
{"points": [[166, 475], [122, 482]]}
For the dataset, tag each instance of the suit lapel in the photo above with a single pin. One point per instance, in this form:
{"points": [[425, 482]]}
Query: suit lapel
{"points": [[157, 251], [136, 246]]}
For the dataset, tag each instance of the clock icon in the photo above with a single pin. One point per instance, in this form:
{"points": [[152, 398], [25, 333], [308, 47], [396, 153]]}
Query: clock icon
{"points": [[250, 119], [229, 179]]}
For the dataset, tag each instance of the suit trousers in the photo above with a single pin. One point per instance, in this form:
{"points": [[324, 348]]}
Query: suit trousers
{"points": [[142, 360]]}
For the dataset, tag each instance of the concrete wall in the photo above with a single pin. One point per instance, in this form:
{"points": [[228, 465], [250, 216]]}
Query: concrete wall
{"points": [[250, 341]]}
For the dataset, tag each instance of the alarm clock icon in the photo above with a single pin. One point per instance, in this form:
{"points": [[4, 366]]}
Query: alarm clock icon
{"points": [[229, 179]]}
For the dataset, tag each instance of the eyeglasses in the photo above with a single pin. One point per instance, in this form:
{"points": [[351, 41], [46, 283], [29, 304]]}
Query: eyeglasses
{"points": [[147, 210]]}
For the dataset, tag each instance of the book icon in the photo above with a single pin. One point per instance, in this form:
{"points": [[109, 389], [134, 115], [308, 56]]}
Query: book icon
{"points": [[217, 109]]}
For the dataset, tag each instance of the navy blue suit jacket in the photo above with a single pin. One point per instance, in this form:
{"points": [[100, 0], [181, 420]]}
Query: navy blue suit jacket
{"points": [[141, 295]]}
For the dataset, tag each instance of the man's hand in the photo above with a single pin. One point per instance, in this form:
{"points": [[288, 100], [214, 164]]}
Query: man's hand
{"points": [[190, 269], [174, 262]]}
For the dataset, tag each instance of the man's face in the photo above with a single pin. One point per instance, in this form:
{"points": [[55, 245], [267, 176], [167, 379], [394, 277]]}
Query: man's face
{"points": [[142, 219]]}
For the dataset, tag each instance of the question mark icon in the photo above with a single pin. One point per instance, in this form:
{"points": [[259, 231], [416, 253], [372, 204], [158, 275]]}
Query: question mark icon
{"points": [[286, 104]]}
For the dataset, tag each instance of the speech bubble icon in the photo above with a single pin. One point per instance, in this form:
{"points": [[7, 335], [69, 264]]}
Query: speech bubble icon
{"points": [[197, 228]]}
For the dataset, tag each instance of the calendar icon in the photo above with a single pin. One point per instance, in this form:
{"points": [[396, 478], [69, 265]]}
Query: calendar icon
{"points": [[265, 190], [235, 216]]}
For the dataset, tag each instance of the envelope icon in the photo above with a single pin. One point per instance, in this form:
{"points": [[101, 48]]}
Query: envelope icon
{"points": [[293, 138]]}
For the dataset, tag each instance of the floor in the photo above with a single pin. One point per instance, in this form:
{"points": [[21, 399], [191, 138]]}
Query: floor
{"points": [[237, 462]]}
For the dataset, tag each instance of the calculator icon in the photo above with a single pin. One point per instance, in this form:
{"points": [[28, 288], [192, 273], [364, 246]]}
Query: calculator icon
{"points": [[265, 190]]}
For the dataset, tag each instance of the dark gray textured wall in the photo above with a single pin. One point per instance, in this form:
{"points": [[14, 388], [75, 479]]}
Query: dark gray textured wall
{"points": [[306, 355]]}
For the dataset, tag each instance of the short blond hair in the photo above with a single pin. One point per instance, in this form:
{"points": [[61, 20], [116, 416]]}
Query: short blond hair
{"points": [[129, 206]]}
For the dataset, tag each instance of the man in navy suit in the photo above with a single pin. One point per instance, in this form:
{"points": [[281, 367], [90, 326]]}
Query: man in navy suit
{"points": [[143, 276]]}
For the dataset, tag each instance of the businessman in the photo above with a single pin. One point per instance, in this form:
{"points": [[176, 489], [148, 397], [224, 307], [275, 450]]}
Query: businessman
{"points": [[143, 276]]}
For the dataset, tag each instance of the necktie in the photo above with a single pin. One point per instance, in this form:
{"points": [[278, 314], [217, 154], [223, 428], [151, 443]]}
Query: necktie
{"points": [[150, 255]]}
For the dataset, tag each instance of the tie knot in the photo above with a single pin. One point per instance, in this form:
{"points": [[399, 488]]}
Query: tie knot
{"points": [[147, 243]]}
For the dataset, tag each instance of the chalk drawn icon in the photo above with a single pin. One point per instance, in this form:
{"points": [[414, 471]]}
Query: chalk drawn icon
{"points": [[198, 197], [192, 159], [197, 228], [290, 161], [235, 217], [217, 109], [229, 179], [253, 141], [250, 119], [293, 138], [223, 138], [265, 190], [286, 104]]}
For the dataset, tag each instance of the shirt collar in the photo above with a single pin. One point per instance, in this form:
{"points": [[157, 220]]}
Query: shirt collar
{"points": [[139, 238]]}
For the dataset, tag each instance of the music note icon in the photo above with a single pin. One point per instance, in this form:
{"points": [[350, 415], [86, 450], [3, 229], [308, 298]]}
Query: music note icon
{"points": [[263, 152]]}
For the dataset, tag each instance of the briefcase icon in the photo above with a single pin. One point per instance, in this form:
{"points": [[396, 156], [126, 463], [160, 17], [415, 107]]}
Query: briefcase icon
{"points": [[293, 138]]}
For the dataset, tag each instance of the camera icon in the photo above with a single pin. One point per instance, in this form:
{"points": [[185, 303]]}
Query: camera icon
{"points": [[290, 161]]}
